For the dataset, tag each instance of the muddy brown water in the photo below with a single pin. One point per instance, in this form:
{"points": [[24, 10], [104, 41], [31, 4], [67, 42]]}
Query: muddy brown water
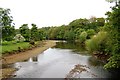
{"points": [[58, 61]]}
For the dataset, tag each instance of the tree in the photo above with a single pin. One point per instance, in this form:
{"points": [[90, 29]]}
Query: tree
{"points": [[113, 43], [53, 33], [34, 32], [8, 33], [100, 21], [25, 32], [79, 23], [78, 31], [90, 33], [8, 30], [96, 22], [61, 32], [5, 18], [41, 34], [70, 35]]}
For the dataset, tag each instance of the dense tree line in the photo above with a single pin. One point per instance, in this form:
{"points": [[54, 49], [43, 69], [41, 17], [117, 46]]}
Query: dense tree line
{"points": [[97, 35], [76, 29]]}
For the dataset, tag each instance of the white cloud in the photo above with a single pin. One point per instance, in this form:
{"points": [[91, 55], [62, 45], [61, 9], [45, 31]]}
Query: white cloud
{"points": [[53, 12]]}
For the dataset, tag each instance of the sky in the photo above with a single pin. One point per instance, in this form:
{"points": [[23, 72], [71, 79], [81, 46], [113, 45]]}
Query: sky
{"points": [[53, 12]]}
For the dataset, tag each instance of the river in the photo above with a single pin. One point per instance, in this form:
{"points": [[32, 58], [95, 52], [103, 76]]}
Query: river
{"points": [[58, 61]]}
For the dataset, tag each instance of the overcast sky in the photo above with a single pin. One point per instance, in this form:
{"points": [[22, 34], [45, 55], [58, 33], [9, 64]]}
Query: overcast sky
{"points": [[53, 12]]}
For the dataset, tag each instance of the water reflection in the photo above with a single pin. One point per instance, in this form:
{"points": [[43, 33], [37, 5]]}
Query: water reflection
{"points": [[74, 46], [70, 45], [33, 59]]}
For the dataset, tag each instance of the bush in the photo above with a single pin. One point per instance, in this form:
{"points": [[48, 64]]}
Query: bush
{"points": [[114, 62], [83, 37], [90, 45], [97, 42], [90, 33]]}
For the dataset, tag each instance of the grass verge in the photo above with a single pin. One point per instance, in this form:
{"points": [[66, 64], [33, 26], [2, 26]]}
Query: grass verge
{"points": [[12, 47]]}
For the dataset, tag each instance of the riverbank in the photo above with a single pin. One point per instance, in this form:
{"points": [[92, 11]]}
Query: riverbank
{"points": [[24, 55]]}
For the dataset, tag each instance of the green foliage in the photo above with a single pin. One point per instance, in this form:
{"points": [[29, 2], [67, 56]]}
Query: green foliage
{"points": [[74, 29], [97, 42], [114, 62], [52, 33], [91, 45], [61, 33], [100, 21], [70, 35], [78, 31], [34, 33], [5, 43], [83, 37], [95, 23], [79, 23], [25, 32], [113, 43], [90, 33], [10, 46], [8, 42], [41, 35], [8, 30], [8, 33], [5, 18]]}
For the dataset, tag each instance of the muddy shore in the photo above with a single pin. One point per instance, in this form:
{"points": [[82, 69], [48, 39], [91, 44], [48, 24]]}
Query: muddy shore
{"points": [[6, 72]]}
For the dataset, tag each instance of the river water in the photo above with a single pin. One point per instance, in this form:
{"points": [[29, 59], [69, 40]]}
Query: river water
{"points": [[57, 62]]}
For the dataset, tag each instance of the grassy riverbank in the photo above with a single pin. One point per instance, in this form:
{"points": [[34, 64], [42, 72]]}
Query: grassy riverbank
{"points": [[12, 47]]}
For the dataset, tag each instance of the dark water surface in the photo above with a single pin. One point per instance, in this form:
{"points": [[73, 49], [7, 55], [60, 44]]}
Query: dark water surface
{"points": [[57, 62]]}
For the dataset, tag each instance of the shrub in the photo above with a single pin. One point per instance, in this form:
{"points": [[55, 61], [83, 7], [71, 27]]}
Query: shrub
{"points": [[97, 42], [91, 45], [83, 37], [114, 62], [90, 33]]}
